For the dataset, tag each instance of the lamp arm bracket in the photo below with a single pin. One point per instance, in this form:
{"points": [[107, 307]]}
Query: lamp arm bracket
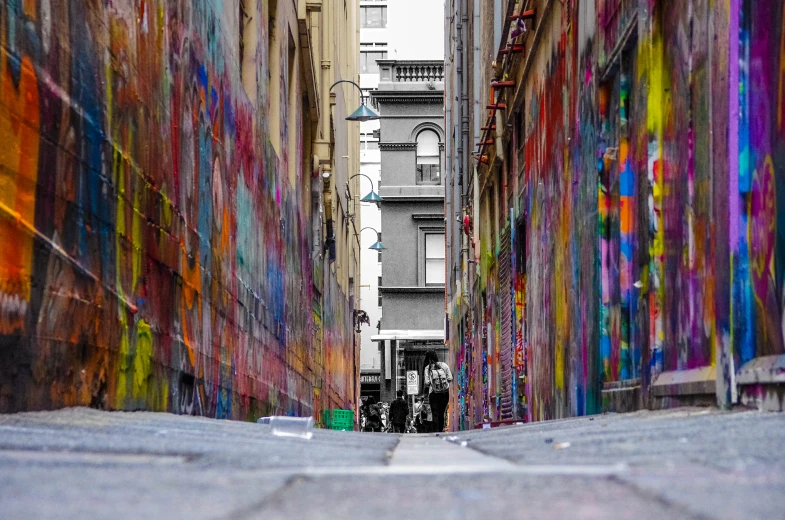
{"points": [[362, 96]]}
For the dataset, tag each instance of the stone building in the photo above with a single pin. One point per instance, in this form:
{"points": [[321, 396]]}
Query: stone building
{"points": [[387, 29], [410, 102]]}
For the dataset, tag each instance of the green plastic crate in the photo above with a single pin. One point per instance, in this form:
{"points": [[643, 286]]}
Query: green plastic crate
{"points": [[326, 422], [342, 420]]}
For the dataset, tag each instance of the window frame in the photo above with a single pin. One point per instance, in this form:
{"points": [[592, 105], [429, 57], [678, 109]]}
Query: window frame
{"points": [[364, 16], [420, 168], [423, 231]]}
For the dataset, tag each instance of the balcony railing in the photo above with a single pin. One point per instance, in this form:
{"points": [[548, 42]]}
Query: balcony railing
{"points": [[412, 71]]}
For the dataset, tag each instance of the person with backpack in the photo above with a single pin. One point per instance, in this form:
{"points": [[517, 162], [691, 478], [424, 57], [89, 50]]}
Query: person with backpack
{"points": [[399, 412], [437, 378]]}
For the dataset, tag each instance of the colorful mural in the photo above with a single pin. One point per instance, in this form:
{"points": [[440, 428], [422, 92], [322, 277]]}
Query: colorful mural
{"points": [[647, 164], [758, 248], [154, 248]]}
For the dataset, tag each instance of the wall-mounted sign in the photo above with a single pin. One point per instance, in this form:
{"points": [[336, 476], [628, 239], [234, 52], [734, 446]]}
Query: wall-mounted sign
{"points": [[370, 378]]}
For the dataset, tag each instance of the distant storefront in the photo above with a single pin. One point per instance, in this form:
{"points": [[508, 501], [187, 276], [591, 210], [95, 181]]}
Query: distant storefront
{"points": [[370, 381]]}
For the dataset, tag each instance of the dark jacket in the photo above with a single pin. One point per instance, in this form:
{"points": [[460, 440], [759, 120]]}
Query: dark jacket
{"points": [[399, 409], [373, 419]]}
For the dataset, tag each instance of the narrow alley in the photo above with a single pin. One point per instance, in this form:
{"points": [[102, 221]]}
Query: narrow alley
{"points": [[406, 259]]}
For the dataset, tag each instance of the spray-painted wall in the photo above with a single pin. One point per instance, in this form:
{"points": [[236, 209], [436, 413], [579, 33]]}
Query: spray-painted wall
{"points": [[558, 196], [758, 245], [643, 145], [155, 250]]}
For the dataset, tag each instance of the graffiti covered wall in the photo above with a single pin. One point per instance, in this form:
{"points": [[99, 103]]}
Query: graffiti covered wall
{"points": [[154, 245], [758, 247], [569, 312], [642, 141]]}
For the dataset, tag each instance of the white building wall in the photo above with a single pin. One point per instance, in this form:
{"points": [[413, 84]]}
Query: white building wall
{"points": [[370, 268]]}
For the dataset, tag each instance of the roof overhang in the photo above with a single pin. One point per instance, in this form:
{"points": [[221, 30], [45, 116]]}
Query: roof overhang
{"points": [[409, 335]]}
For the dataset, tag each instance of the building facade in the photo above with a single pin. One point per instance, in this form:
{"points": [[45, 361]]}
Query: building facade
{"points": [[410, 101], [614, 227], [387, 30], [173, 232]]}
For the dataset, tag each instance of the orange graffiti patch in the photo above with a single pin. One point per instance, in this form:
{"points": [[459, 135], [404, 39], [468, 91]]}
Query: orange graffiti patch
{"points": [[19, 123]]}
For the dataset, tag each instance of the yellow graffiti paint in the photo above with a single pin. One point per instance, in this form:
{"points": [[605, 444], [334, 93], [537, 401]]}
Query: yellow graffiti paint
{"points": [[653, 70], [118, 167], [761, 233], [658, 98], [136, 228], [166, 207], [761, 229], [122, 377], [143, 358]]}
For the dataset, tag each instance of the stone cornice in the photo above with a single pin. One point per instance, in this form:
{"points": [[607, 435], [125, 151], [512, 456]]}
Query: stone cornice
{"points": [[415, 96], [428, 216], [413, 198], [397, 146]]}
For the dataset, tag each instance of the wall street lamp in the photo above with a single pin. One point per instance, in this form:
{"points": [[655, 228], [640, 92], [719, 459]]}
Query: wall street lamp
{"points": [[363, 113], [372, 195], [376, 246]]}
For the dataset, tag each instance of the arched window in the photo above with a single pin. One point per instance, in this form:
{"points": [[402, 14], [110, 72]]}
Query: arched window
{"points": [[428, 167]]}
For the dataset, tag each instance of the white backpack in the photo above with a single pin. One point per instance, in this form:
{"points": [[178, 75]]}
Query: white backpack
{"points": [[439, 382]]}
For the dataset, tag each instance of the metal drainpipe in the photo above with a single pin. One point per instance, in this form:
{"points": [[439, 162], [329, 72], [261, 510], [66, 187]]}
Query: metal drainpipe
{"points": [[326, 65], [448, 225], [465, 158], [465, 239], [461, 93], [476, 76], [464, 96]]}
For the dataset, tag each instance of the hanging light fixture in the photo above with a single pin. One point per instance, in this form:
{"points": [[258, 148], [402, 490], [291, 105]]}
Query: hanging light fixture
{"points": [[363, 113], [372, 195], [376, 246]]}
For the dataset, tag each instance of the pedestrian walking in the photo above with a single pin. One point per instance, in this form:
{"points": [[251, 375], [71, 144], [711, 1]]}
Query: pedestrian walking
{"points": [[373, 419], [399, 411], [424, 420], [437, 378]]}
